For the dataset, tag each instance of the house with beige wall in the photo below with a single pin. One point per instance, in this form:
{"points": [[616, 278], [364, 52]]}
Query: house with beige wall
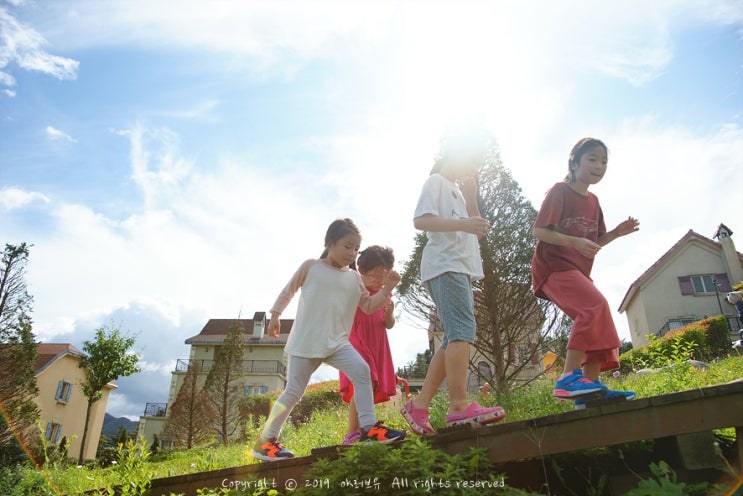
{"points": [[61, 401], [263, 367], [688, 283]]}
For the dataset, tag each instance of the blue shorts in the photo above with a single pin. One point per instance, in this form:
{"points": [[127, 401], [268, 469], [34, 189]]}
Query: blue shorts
{"points": [[455, 306]]}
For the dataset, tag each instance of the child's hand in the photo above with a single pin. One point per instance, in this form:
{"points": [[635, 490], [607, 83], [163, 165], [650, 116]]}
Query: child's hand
{"points": [[274, 326], [389, 307], [468, 187], [391, 279], [476, 225], [627, 227], [586, 247]]}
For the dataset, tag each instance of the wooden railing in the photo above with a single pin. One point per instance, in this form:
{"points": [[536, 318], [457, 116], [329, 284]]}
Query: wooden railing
{"points": [[675, 414]]}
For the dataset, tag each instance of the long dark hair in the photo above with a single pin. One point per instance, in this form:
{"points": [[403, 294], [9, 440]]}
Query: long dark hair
{"points": [[374, 256], [337, 229], [580, 149]]}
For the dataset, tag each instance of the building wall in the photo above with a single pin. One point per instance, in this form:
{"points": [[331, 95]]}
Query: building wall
{"points": [[659, 298], [69, 411], [151, 426]]}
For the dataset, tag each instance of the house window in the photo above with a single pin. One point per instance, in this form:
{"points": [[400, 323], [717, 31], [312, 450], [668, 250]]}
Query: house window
{"points": [[53, 432], [64, 390], [703, 284], [679, 323], [255, 390], [523, 352]]}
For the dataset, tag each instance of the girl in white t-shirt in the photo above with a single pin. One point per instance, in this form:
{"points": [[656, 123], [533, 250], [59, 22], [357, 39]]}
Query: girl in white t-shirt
{"points": [[330, 293], [447, 210]]}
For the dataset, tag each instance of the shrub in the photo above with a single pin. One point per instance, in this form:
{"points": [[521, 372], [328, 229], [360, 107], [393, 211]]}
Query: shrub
{"points": [[412, 468], [702, 340], [319, 396]]}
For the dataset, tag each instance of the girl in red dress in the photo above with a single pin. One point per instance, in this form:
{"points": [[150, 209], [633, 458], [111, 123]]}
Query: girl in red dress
{"points": [[369, 337]]}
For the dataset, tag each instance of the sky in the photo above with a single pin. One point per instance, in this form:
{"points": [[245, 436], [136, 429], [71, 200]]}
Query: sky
{"points": [[172, 162]]}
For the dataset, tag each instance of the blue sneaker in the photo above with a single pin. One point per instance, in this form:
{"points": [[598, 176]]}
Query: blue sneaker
{"points": [[580, 403], [576, 386]]}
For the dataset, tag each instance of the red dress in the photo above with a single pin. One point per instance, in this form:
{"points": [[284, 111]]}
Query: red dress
{"points": [[369, 337], [563, 275]]}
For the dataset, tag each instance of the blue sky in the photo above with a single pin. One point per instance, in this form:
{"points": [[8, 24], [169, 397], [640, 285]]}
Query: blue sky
{"points": [[175, 162]]}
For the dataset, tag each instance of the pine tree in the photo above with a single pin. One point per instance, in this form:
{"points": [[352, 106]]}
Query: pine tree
{"points": [[191, 414], [225, 382]]}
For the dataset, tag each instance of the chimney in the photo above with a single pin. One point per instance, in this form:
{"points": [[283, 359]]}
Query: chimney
{"points": [[259, 324], [729, 254]]}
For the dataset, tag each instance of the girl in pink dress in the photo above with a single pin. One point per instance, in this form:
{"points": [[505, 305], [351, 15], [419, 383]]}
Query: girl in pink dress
{"points": [[570, 231], [369, 337]]}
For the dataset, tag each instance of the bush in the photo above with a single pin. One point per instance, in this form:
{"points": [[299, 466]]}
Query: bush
{"points": [[413, 468], [702, 340], [319, 396]]}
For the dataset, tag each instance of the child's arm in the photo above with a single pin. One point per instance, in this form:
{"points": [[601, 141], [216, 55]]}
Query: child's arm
{"points": [[286, 295], [389, 314], [370, 304], [433, 223], [624, 228], [468, 187], [584, 246]]}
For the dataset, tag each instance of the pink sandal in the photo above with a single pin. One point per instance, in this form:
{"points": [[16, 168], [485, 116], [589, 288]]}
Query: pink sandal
{"points": [[417, 419], [476, 415]]}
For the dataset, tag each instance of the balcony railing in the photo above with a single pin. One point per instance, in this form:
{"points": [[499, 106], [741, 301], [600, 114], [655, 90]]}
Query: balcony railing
{"points": [[155, 409], [240, 366]]}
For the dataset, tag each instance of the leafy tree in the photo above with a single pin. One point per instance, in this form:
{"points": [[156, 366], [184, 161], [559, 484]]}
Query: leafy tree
{"points": [[107, 358], [418, 367], [17, 360], [190, 417], [225, 381], [510, 318]]}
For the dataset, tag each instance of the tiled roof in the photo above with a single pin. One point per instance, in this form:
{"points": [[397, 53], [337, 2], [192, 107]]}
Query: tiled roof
{"points": [[49, 352], [216, 330]]}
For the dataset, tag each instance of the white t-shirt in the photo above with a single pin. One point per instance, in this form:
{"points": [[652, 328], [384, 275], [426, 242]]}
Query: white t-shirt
{"points": [[455, 251], [327, 305]]}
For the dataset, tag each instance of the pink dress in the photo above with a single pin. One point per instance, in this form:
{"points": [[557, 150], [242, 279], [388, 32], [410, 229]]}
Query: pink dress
{"points": [[369, 337]]}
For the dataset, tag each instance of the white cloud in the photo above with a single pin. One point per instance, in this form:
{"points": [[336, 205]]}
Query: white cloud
{"points": [[16, 198], [160, 328], [23, 46], [55, 134]]}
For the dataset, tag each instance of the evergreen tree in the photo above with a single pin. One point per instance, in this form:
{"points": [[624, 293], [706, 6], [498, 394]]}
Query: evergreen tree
{"points": [[225, 382], [191, 414], [511, 321], [18, 356]]}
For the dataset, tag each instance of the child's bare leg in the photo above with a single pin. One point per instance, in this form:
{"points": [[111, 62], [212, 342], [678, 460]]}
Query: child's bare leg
{"points": [[353, 417], [591, 371], [573, 360], [434, 377], [457, 361]]}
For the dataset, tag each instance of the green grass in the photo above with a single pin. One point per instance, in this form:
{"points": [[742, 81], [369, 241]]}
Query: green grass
{"points": [[328, 426]]}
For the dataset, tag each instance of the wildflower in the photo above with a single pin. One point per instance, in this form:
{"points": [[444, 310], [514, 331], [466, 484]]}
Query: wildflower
{"points": [[616, 374]]}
